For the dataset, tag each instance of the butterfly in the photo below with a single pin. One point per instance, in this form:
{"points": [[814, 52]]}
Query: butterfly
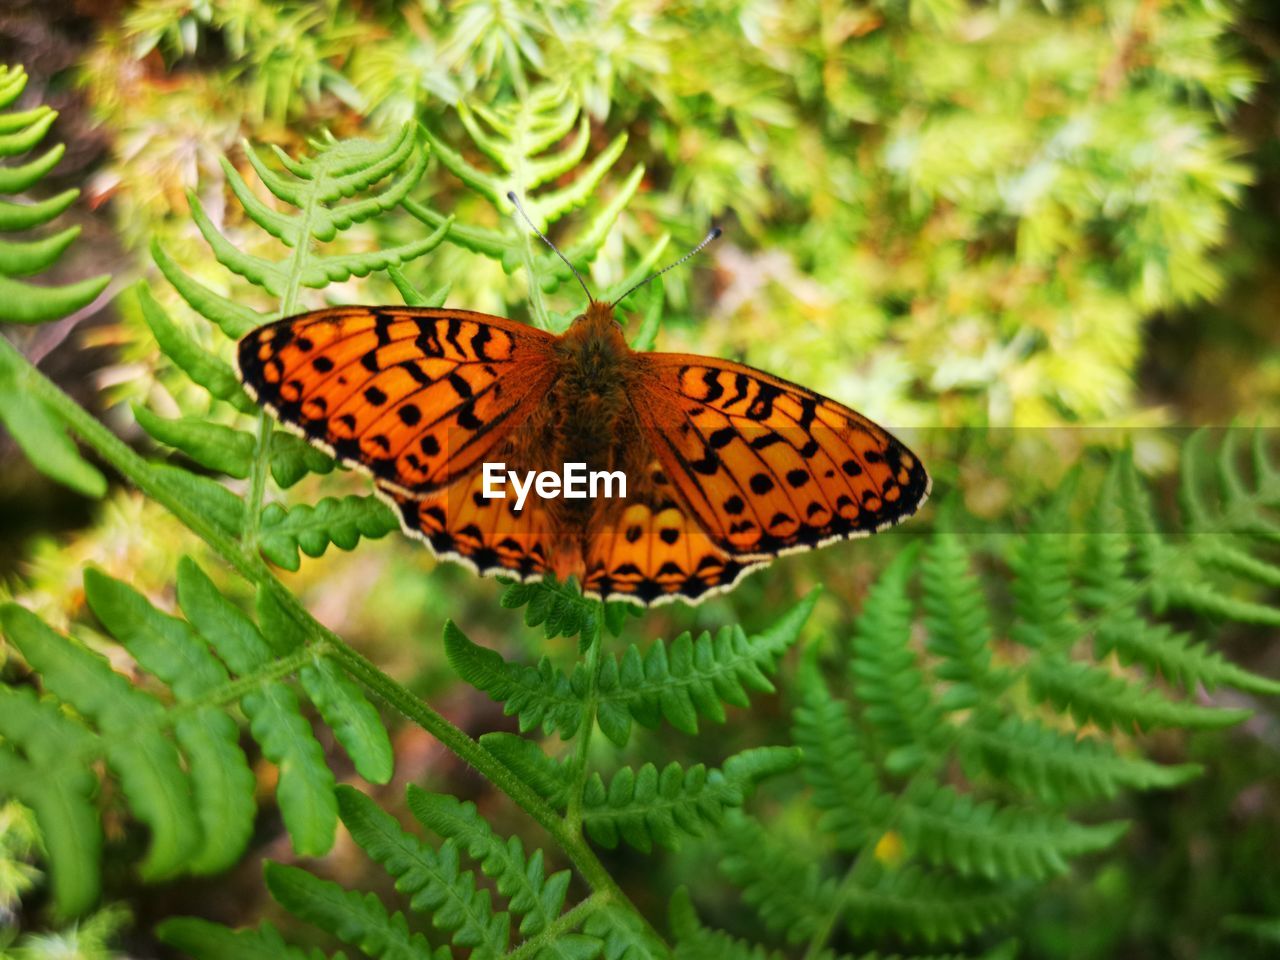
{"points": [[726, 466]]}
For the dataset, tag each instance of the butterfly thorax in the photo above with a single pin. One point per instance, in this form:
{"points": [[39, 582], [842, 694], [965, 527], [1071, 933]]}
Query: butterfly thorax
{"points": [[590, 397]]}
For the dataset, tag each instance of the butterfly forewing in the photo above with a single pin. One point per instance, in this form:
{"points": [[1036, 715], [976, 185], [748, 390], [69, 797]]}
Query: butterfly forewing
{"points": [[766, 466], [416, 397]]}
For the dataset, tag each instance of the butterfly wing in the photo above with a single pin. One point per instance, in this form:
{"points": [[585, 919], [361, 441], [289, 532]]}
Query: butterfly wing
{"points": [[486, 534], [415, 397], [766, 466], [648, 550]]}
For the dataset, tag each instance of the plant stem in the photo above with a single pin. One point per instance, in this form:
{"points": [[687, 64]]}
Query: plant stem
{"points": [[565, 923], [249, 565], [573, 814]]}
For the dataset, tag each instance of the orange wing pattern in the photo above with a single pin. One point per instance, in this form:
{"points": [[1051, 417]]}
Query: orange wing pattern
{"points": [[648, 550], [766, 466], [415, 397], [489, 536]]}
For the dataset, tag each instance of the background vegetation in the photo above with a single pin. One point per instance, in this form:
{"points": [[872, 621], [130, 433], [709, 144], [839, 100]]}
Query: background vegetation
{"points": [[1042, 235]]}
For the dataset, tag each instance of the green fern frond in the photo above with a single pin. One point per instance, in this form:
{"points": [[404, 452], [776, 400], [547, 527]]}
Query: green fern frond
{"points": [[533, 896], [433, 880], [896, 699], [311, 528], [645, 806], [332, 191], [786, 888], [36, 429], [842, 777], [547, 777], [180, 766], [1055, 766], [993, 841], [22, 302], [358, 919], [692, 678], [516, 138], [918, 905], [676, 682], [212, 941]]}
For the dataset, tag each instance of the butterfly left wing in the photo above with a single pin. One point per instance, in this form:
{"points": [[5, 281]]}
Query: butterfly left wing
{"points": [[766, 466], [416, 397]]}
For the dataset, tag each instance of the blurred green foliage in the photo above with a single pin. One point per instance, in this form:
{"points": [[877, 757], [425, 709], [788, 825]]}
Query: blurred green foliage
{"points": [[949, 215]]}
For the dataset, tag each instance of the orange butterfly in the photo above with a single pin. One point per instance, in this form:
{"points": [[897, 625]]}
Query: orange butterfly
{"points": [[726, 466]]}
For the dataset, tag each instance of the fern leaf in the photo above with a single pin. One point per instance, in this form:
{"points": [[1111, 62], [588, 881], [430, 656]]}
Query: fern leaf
{"points": [[785, 887], [232, 318], [22, 302], [696, 942], [212, 941], [1092, 695], [645, 807], [61, 795], [1042, 586], [559, 608], [221, 781], [533, 896], [352, 718], [623, 935], [844, 782], [1173, 655], [292, 458], [310, 529], [546, 776], [43, 438], [305, 788], [146, 763], [539, 696], [208, 497], [358, 919], [212, 445], [955, 613], [197, 363], [887, 677], [917, 905], [692, 677], [981, 838], [1059, 767], [433, 880]]}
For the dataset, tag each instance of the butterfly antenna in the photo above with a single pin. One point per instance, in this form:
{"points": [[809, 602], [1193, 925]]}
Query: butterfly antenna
{"points": [[511, 195], [715, 232]]}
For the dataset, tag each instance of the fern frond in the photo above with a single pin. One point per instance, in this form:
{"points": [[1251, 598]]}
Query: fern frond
{"points": [[645, 806], [548, 777], [311, 528], [988, 840], [212, 941], [845, 785], [540, 696], [955, 616], [179, 764], [358, 919], [22, 302], [1055, 766], [888, 678], [693, 677], [433, 880], [331, 191], [533, 896], [696, 942], [786, 888], [918, 905], [1093, 695], [37, 430]]}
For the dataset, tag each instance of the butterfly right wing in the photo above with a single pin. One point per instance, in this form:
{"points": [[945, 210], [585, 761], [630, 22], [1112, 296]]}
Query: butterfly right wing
{"points": [[415, 397]]}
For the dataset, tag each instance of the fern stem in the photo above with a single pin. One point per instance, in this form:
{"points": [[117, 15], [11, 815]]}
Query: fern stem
{"points": [[567, 922], [573, 813], [288, 306]]}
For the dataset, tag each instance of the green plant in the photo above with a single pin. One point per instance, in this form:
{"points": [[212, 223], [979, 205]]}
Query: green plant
{"points": [[949, 784]]}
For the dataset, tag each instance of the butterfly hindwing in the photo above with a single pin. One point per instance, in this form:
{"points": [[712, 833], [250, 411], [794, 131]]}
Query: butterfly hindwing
{"points": [[416, 397], [649, 550], [766, 466]]}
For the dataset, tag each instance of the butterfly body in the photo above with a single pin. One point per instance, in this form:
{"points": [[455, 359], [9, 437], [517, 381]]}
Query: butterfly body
{"points": [[725, 466]]}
